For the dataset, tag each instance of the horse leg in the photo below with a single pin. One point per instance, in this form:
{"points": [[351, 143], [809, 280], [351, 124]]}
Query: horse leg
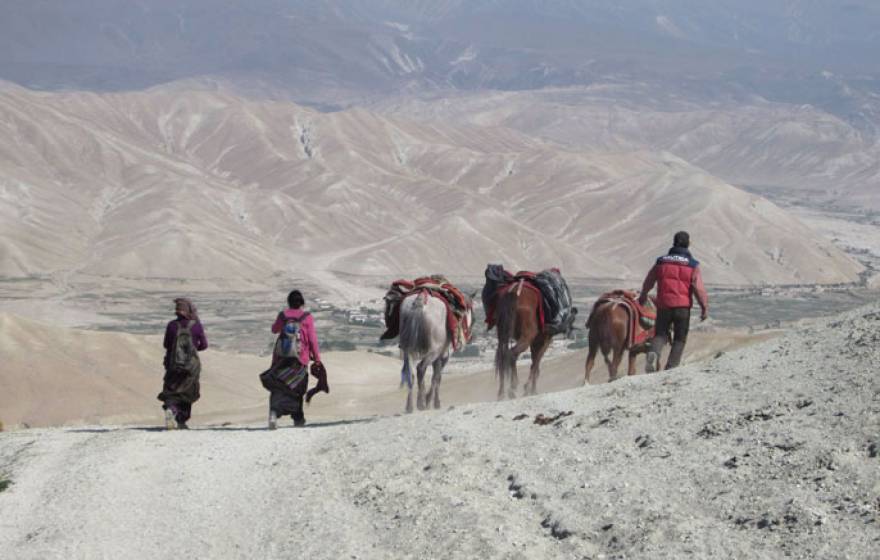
{"points": [[607, 364], [633, 354], [591, 360], [501, 360], [420, 377], [615, 362], [514, 377], [439, 363], [520, 347], [406, 375], [430, 392], [508, 368], [588, 367], [539, 346]]}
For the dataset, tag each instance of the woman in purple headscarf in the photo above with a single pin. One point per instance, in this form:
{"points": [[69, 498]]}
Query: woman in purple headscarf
{"points": [[184, 338]]}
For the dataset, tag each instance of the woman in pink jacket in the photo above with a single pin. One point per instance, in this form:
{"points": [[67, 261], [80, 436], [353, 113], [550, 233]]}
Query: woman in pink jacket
{"points": [[295, 347]]}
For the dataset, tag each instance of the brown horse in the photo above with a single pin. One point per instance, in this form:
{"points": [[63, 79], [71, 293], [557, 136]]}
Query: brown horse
{"points": [[517, 311], [609, 325]]}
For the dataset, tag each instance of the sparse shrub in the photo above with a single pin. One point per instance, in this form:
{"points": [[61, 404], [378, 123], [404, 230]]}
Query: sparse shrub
{"points": [[4, 482]]}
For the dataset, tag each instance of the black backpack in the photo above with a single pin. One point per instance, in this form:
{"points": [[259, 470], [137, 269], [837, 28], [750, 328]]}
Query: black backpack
{"points": [[559, 313]]}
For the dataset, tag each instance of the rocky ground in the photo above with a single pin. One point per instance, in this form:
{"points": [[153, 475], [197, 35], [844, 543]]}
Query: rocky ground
{"points": [[765, 452]]}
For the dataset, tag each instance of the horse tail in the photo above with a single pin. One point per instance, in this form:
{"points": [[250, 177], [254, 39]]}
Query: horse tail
{"points": [[415, 338], [505, 323]]}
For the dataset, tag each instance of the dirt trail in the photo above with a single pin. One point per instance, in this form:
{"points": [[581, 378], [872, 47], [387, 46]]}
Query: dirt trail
{"points": [[763, 452]]}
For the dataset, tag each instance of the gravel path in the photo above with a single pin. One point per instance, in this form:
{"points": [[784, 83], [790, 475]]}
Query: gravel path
{"points": [[765, 452]]}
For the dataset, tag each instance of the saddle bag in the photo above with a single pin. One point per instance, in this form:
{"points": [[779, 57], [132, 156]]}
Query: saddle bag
{"points": [[559, 313], [647, 314]]}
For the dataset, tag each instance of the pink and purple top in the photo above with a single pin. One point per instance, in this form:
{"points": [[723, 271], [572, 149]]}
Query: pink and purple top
{"points": [[310, 350]]}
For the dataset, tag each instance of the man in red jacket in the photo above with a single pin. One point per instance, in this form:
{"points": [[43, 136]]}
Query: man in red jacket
{"points": [[678, 278]]}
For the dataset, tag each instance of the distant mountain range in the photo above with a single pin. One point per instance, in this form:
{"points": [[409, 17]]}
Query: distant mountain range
{"points": [[178, 183], [343, 50], [796, 153]]}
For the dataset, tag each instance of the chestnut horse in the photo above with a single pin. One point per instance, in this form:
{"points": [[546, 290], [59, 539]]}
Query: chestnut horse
{"points": [[609, 325], [517, 312]]}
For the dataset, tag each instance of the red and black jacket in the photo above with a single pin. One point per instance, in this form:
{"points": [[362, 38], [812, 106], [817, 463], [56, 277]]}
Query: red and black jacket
{"points": [[678, 278]]}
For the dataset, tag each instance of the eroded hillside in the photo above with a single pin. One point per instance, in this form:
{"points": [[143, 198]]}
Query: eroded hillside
{"points": [[132, 185]]}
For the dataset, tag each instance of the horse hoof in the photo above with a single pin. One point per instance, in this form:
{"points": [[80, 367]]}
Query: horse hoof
{"points": [[652, 362]]}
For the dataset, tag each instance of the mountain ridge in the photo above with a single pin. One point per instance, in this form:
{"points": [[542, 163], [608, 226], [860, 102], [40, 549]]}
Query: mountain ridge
{"points": [[798, 152], [234, 187]]}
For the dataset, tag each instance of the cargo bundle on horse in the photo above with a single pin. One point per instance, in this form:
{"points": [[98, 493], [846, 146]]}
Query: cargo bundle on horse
{"points": [[618, 323], [431, 316], [529, 309]]}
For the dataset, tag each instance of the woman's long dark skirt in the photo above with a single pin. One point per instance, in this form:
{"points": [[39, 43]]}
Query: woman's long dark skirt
{"points": [[288, 401], [180, 389]]}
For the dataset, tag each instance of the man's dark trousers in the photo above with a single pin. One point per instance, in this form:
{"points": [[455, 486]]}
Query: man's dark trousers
{"points": [[679, 319]]}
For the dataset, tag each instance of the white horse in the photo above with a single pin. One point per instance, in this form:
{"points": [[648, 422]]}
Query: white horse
{"points": [[424, 340]]}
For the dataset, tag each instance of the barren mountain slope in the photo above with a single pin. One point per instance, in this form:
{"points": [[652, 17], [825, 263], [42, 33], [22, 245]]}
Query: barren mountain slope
{"points": [[798, 151], [52, 375], [137, 184], [765, 452]]}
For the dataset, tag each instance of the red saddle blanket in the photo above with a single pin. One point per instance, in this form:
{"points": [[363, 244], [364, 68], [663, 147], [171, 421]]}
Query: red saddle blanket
{"points": [[629, 299], [457, 305]]}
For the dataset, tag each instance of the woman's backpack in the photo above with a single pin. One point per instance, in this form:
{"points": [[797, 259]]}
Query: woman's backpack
{"points": [[290, 340], [184, 357]]}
